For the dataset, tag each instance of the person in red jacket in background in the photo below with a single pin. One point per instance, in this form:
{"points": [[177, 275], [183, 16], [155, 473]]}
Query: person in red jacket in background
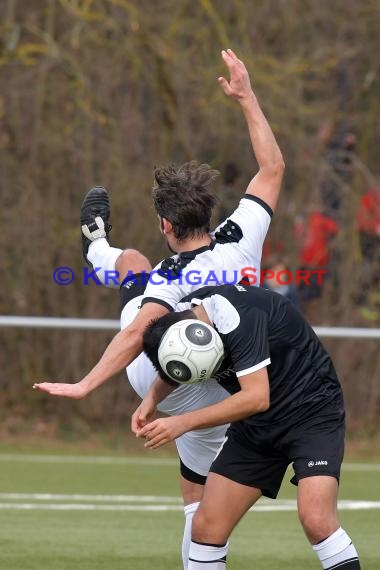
{"points": [[314, 233], [368, 219]]}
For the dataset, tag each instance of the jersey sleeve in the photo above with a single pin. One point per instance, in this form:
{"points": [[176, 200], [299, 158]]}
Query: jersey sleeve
{"points": [[248, 344], [244, 331], [252, 217]]}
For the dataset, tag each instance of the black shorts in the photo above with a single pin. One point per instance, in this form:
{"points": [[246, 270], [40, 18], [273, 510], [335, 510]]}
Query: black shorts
{"points": [[133, 286], [258, 456], [191, 475]]}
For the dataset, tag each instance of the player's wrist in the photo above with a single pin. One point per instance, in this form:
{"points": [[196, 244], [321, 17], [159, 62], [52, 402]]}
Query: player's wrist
{"points": [[248, 100], [189, 421], [84, 387]]}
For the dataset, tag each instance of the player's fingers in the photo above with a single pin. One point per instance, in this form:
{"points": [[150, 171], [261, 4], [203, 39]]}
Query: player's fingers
{"points": [[157, 441], [228, 60], [158, 445], [225, 85], [225, 55], [232, 54], [140, 420], [135, 424], [139, 433], [146, 429], [43, 387]]}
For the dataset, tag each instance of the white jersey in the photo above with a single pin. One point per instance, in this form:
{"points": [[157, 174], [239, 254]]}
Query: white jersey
{"points": [[196, 449], [237, 244]]}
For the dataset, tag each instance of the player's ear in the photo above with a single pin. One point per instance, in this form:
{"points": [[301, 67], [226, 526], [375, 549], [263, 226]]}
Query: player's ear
{"points": [[160, 223], [166, 226]]}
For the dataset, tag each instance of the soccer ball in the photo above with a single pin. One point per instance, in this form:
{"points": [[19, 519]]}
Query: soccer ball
{"points": [[190, 351]]}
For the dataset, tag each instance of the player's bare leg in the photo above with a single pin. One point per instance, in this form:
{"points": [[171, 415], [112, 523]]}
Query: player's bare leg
{"points": [[191, 492], [317, 510], [131, 261], [223, 504]]}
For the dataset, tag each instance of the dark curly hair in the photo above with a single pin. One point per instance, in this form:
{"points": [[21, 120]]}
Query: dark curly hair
{"points": [[152, 337], [181, 195]]}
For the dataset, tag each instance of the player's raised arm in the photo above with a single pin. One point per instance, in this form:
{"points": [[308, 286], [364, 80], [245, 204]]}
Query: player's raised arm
{"points": [[266, 183], [122, 350]]}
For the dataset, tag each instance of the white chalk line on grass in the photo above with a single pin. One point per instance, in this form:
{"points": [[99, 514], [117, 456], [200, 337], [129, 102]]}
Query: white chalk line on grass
{"points": [[90, 497], [262, 506], [90, 459], [109, 460]]}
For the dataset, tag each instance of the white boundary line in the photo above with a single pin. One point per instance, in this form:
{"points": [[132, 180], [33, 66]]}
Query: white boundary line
{"points": [[90, 459], [279, 505], [89, 497], [109, 460]]}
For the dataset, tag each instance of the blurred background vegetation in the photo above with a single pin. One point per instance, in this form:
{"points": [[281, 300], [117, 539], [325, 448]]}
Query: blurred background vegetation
{"points": [[100, 91]]}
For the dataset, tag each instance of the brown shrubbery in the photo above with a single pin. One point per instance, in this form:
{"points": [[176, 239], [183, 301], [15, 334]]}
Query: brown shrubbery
{"points": [[100, 91]]}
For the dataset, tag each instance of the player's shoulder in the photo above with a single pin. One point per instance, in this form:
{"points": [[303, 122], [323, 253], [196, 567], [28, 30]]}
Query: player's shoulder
{"points": [[250, 211], [256, 203]]}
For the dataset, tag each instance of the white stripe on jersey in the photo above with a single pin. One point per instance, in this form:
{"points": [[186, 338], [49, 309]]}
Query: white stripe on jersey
{"points": [[255, 368]]}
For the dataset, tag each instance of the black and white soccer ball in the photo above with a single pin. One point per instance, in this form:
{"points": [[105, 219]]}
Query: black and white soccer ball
{"points": [[190, 351]]}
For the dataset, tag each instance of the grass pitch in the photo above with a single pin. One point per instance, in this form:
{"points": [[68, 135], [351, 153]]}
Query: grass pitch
{"points": [[118, 513]]}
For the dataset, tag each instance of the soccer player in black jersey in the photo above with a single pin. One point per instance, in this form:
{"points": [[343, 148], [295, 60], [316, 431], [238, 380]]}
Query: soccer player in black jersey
{"points": [[286, 407]]}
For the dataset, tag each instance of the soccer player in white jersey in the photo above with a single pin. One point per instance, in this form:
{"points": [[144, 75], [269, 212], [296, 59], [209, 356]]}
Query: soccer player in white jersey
{"points": [[184, 207]]}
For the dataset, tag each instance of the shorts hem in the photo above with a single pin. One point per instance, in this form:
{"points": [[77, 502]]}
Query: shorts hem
{"points": [[191, 475], [270, 494], [294, 480]]}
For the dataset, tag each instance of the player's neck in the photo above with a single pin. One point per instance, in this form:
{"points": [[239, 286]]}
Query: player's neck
{"points": [[193, 243]]}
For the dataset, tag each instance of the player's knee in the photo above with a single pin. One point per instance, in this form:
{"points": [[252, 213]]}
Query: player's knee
{"points": [[199, 526], [206, 529], [132, 261], [318, 526]]}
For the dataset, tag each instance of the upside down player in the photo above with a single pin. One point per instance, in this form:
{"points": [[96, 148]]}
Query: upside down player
{"points": [[184, 207], [286, 407]]}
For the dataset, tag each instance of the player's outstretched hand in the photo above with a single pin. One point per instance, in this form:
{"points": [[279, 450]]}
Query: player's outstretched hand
{"points": [[144, 414], [239, 85], [75, 391], [162, 431]]}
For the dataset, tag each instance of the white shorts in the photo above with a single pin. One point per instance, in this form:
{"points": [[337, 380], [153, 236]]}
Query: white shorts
{"points": [[196, 449]]}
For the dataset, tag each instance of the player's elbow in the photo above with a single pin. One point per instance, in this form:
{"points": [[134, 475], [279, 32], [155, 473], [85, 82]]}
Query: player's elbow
{"points": [[266, 405], [275, 168], [271, 175], [280, 165], [256, 405], [262, 403]]}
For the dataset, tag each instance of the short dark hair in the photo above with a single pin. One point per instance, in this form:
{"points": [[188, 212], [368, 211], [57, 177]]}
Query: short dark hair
{"points": [[180, 194], [152, 337]]}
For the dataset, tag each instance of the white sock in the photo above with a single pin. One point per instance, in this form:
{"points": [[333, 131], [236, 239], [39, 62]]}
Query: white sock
{"points": [[101, 254], [206, 557], [189, 513], [337, 551]]}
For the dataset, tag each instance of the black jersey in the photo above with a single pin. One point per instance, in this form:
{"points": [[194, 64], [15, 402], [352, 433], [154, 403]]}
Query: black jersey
{"points": [[261, 328]]}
